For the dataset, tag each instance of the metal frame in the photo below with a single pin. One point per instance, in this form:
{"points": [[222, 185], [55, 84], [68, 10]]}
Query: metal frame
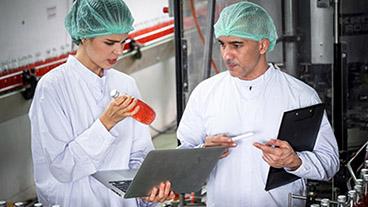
{"points": [[348, 165], [338, 85], [208, 45], [178, 30]]}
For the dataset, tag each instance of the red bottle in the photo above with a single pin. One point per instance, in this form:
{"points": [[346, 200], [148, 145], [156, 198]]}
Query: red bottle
{"points": [[145, 114]]}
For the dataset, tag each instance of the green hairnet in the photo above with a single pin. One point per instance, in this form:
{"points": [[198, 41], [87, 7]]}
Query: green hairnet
{"points": [[246, 20], [91, 18]]}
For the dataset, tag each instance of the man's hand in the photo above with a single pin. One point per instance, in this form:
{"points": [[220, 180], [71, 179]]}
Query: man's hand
{"points": [[161, 193], [279, 154], [220, 140]]}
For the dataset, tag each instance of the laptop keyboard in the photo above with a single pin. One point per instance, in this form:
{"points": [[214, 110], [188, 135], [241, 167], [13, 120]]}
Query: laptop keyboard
{"points": [[122, 185]]}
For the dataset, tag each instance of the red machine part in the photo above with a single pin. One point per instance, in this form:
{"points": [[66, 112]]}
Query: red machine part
{"points": [[12, 79]]}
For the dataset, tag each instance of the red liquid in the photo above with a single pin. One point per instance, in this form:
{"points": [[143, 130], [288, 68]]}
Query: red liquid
{"points": [[146, 114]]}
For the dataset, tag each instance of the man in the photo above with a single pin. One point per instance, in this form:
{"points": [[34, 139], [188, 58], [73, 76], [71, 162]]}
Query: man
{"points": [[252, 96]]}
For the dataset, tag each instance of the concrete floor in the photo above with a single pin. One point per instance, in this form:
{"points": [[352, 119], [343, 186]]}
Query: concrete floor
{"points": [[166, 140]]}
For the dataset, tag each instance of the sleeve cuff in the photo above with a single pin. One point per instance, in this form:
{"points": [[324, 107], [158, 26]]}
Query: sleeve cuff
{"points": [[302, 168], [142, 203]]}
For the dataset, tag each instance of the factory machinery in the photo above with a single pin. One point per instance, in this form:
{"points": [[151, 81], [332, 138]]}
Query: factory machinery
{"points": [[322, 42]]}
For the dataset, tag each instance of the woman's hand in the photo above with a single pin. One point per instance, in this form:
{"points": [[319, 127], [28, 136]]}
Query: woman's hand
{"points": [[119, 109], [161, 193]]}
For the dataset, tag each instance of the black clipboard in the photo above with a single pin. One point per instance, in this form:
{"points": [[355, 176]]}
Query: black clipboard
{"points": [[300, 128]]}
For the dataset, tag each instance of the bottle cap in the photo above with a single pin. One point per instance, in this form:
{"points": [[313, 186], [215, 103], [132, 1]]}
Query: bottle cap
{"points": [[341, 198], [358, 188], [352, 193], [325, 202], [365, 177], [114, 93], [359, 181], [363, 172], [18, 204]]}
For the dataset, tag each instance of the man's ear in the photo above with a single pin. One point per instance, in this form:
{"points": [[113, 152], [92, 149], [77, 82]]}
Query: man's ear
{"points": [[263, 46]]}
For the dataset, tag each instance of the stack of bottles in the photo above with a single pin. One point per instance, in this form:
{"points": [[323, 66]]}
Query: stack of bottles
{"points": [[356, 197], [22, 204]]}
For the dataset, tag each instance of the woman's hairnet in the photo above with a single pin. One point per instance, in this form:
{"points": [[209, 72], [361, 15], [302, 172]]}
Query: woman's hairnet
{"points": [[91, 18], [246, 20]]}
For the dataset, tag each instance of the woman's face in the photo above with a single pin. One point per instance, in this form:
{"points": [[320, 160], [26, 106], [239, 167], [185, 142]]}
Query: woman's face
{"points": [[103, 51]]}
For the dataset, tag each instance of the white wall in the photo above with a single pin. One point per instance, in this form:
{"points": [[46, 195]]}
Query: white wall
{"points": [[28, 27], [158, 89], [147, 12], [36, 27]]}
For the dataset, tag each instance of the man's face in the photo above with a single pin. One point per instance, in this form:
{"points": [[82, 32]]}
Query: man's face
{"points": [[241, 56], [103, 51]]}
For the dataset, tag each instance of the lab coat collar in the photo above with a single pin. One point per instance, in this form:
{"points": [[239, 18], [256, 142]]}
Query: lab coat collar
{"points": [[252, 89], [96, 84], [86, 73], [261, 80]]}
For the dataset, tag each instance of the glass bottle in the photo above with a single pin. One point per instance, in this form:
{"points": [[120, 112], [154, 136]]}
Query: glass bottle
{"points": [[365, 185], [325, 202], [351, 198], [19, 204], [311, 196], [145, 115], [363, 172], [341, 201], [359, 193]]}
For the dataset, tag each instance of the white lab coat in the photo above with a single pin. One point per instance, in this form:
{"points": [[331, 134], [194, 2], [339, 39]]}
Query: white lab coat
{"points": [[69, 143], [224, 104]]}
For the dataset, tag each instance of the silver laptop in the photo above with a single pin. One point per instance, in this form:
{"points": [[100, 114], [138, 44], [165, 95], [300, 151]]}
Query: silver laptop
{"points": [[186, 169]]}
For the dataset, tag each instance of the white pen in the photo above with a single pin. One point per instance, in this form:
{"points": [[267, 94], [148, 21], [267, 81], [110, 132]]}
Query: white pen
{"points": [[242, 136]]}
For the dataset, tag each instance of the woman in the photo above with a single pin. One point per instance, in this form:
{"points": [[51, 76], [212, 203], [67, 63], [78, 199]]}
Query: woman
{"points": [[77, 129]]}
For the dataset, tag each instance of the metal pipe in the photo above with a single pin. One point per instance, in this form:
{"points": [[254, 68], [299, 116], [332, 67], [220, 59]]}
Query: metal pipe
{"points": [[338, 86], [180, 98], [336, 22], [207, 56], [178, 31], [290, 46]]}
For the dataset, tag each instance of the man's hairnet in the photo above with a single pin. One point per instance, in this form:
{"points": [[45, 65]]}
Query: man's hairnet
{"points": [[91, 18], [246, 20]]}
